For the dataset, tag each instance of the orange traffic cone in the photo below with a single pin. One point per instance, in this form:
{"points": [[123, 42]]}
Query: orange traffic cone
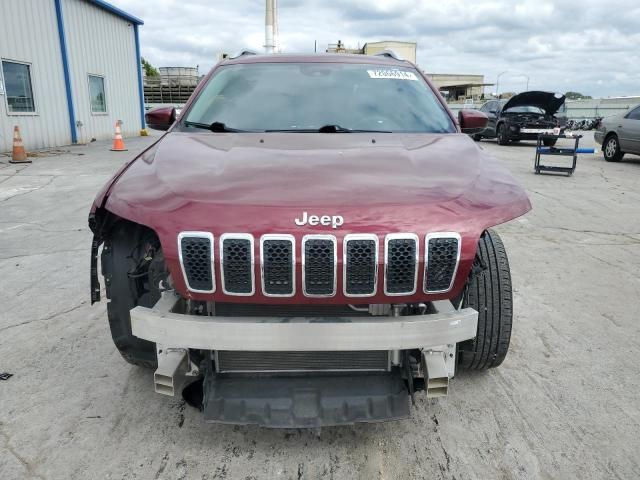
{"points": [[18, 155], [118, 143]]}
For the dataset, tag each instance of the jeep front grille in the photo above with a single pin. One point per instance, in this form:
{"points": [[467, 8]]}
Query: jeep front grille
{"points": [[319, 265], [196, 259], [342, 361], [278, 262], [441, 262], [236, 264]]}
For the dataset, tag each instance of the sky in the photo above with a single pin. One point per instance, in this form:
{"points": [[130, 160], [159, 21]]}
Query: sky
{"points": [[589, 46]]}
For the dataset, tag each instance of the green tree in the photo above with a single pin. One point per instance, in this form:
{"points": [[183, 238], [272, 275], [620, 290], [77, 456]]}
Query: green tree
{"points": [[576, 96], [149, 70]]}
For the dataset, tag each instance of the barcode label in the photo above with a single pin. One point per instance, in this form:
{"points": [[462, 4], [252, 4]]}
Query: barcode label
{"points": [[394, 74]]}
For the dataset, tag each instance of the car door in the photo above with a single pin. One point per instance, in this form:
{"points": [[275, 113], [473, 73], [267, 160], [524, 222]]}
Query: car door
{"points": [[491, 110], [629, 131], [485, 109]]}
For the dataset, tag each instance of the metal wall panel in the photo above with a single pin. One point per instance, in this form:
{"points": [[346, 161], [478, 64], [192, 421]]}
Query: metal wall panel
{"points": [[101, 43], [28, 33]]}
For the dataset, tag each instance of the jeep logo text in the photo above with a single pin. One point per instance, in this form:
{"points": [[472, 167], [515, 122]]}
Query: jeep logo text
{"points": [[335, 221]]}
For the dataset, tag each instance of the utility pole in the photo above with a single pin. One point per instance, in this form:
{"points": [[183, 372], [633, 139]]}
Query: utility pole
{"points": [[271, 26]]}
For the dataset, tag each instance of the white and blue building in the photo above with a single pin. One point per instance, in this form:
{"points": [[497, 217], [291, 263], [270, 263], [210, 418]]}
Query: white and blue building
{"points": [[70, 69]]}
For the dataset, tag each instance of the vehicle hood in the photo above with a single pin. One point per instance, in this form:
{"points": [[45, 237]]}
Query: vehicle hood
{"points": [[260, 183], [389, 180], [547, 101]]}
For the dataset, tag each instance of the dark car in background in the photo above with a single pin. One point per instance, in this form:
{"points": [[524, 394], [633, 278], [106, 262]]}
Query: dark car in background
{"points": [[619, 134], [522, 116]]}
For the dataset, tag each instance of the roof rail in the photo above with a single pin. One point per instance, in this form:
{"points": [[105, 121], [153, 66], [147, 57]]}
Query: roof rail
{"points": [[242, 53], [387, 52]]}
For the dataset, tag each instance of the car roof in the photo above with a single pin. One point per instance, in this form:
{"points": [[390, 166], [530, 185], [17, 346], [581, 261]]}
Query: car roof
{"points": [[319, 58]]}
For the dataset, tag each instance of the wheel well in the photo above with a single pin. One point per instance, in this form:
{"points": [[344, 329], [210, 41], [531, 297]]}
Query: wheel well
{"points": [[134, 274], [144, 245], [105, 227], [609, 135]]}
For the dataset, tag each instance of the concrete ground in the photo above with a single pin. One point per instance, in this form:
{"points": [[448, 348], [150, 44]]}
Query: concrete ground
{"points": [[565, 404]]}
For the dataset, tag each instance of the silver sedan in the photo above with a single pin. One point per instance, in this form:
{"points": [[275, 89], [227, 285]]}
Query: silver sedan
{"points": [[619, 134]]}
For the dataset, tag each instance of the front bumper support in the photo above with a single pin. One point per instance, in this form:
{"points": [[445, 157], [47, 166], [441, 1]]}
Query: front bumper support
{"points": [[161, 325], [316, 399]]}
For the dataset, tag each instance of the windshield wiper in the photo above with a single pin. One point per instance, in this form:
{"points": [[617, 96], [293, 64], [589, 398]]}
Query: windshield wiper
{"points": [[214, 127], [330, 128]]}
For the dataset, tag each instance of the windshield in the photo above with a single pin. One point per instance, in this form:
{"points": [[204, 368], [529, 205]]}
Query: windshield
{"points": [[524, 109], [308, 96]]}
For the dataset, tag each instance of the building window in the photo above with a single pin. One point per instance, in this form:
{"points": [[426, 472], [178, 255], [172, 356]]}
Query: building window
{"points": [[18, 90], [97, 95]]}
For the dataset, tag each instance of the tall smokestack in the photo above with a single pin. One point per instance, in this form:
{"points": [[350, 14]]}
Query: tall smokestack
{"points": [[271, 26], [276, 35]]}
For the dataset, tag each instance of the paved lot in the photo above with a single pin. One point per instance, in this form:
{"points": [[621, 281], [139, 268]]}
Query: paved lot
{"points": [[565, 404]]}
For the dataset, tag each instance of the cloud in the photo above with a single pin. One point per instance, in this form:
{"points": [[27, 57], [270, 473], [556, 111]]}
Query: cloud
{"points": [[588, 46]]}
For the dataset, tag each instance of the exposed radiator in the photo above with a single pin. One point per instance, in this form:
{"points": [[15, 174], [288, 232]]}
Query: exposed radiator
{"points": [[253, 362]]}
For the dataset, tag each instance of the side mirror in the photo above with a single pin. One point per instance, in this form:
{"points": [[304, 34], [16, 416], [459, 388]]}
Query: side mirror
{"points": [[493, 112], [472, 121], [160, 118]]}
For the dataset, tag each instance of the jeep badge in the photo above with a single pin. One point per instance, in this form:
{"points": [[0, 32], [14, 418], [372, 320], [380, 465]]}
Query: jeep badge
{"points": [[335, 221]]}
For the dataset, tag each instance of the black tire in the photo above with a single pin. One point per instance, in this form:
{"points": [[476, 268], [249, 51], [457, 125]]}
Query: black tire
{"points": [[489, 292], [477, 137], [611, 149], [119, 258], [549, 142], [503, 138]]}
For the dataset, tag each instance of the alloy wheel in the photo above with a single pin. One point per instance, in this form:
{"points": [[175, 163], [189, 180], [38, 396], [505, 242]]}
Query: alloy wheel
{"points": [[611, 147]]}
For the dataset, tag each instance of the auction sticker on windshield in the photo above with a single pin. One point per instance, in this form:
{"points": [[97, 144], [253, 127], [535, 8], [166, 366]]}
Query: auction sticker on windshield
{"points": [[395, 74]]}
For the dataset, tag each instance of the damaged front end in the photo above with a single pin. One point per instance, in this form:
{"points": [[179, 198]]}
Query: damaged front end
{"points": [[281, 368], [279, 365]]}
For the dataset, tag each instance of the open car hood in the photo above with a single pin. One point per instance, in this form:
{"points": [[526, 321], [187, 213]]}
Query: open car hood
{"points": [[548, 101]]}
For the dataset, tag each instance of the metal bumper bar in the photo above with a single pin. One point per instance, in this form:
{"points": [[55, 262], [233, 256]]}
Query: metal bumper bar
{"points": [[159, 324]]}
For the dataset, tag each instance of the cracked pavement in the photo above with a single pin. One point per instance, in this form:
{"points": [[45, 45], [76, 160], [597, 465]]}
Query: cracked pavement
{"points": [[563, 405]]}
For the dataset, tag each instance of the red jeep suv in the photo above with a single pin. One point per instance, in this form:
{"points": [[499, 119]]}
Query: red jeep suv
{"points": [[308, 244]]}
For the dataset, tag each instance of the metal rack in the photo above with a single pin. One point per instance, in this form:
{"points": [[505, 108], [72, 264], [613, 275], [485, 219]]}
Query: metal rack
{"points": [[541, 150]]}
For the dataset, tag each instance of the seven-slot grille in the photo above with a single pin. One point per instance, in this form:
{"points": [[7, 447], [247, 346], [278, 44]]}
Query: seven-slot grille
{"points": [[441, 262], [236, 259], [278, 260], [319, 264], [196, 257]]}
